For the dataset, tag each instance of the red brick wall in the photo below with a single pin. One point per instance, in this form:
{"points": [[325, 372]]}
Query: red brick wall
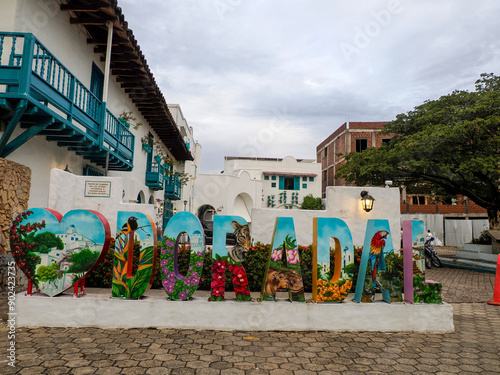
{"points": [[367, 125], [458, 208]]}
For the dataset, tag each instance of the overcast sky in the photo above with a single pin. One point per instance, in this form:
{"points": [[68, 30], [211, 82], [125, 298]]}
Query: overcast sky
{"points": [[273, 78]]}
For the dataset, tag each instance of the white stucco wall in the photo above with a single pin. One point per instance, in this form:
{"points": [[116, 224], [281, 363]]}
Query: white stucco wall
{"points": [[341, 202], [67, 192], [221, 191], [7, 14]]}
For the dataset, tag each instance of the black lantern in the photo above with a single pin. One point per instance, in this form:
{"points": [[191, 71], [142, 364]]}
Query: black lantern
{"points": [[366, 201]]}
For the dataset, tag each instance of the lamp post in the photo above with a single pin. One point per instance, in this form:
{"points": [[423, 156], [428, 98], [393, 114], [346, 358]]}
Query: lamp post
{"points": [[185, 204], [367, 201]]}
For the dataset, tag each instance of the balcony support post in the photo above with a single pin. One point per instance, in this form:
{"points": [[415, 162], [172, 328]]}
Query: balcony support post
{"points": [[20, 108], [26, 136], [108, 62]]}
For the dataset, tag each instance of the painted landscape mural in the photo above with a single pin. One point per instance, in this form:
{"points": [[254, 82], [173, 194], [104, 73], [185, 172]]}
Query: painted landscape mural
{"points": [[54, 251]]}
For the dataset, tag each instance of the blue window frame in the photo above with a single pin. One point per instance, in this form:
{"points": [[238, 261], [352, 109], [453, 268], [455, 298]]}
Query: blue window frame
{"points": [[273, 178], [311, 179], [273, 184], [304, 186], [97, 81], [266, 177], [304, 179]]}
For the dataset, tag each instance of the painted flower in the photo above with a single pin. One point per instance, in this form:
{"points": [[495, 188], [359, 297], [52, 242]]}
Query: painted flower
{"points": [[164, 263], [199, 264], [292, 256], [183, 295], [276, 254], [169, 243]]}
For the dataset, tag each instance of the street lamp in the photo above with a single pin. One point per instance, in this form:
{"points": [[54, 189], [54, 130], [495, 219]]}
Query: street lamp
{"points": [[185, 203], [367, 201]]}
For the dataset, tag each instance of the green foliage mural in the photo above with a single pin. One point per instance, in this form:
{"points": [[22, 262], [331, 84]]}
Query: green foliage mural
{"points": [[82, 261], [132, 287], [48, 273]]}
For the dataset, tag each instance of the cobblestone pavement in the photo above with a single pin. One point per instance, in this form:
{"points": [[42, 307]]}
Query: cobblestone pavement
{"points": [[474, 347]]}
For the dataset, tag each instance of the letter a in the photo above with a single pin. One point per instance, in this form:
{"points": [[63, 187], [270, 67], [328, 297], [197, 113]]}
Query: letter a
{"points": [[277, 276]]}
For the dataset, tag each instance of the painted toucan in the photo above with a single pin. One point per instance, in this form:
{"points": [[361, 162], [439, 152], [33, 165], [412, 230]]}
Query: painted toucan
{"points": [[377, 245]]}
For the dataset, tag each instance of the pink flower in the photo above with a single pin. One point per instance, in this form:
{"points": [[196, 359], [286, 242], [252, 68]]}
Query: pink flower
{"points": [[292, 256], [276, 254]]}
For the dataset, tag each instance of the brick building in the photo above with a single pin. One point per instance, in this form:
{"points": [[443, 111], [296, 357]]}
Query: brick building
{"points": [[351, 136]]}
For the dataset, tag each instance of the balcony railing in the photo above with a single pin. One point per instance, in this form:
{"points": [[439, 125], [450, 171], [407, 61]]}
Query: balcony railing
{"points": [[31, 75], [172, 187], [154, 176]]}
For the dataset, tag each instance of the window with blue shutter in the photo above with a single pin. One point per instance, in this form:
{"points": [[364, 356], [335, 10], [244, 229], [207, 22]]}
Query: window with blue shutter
{"points": [[282, 182], [296, 183]]}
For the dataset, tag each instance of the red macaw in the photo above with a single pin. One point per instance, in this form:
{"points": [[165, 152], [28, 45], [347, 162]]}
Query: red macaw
{"points": [[377, 245]]}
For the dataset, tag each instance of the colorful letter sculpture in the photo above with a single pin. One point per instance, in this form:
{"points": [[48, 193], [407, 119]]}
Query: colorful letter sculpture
{"points": [[418, 243], [56, 252], [279, 276], [133, 227], [232, 259], [377, 246], [328, 287], [177, 286]]}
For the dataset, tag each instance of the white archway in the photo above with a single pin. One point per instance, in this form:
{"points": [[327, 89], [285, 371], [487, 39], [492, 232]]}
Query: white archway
{"points": [[243, 205]]}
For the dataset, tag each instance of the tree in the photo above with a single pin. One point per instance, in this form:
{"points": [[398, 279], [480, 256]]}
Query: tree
{"points": [[82, 261], [311, 203], [450, 146], [46, 241]]}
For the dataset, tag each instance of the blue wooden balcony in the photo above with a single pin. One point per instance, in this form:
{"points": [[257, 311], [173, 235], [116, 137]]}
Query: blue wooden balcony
{"points": [[42, 96], [154, 176], [172, 187]]}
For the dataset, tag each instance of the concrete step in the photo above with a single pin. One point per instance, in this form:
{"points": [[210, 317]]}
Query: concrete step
{"points": [[477, 265]]}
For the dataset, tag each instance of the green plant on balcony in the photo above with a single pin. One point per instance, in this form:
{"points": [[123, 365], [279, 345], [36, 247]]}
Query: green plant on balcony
{"points": [[128, 119], [146, 141], [160, 153]]}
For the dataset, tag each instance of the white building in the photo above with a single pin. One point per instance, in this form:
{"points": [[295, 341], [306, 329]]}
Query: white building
{"points": [[76, 93], [72, 240], [187, 169], [247, 183]]}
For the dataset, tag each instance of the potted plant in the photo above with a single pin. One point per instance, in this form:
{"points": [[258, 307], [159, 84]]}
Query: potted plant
{"points": [[127, 119], [146, 143]]}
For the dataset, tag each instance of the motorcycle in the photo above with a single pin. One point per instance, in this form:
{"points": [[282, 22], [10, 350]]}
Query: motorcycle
{"points": [[431, 258]]}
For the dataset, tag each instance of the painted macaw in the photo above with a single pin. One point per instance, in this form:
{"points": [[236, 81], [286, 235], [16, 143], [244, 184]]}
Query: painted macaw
{"points": [[377, 245]]}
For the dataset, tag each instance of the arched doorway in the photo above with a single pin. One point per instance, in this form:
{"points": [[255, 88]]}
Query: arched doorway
{"points": [[243, 205], [141, 198]]}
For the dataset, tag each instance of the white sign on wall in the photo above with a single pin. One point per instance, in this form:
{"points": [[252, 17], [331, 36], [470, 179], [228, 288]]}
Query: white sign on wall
{"points": [[98, 189]]}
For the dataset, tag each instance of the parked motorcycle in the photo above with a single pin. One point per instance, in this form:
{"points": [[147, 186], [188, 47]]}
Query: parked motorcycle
{"points": [[431, 258]]}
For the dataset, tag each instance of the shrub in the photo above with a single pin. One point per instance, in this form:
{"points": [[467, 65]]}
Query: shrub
{"points": [[483, 239]]}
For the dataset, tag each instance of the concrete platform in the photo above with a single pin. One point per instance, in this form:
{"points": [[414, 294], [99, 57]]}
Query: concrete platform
{"points": [[97, 309]]}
